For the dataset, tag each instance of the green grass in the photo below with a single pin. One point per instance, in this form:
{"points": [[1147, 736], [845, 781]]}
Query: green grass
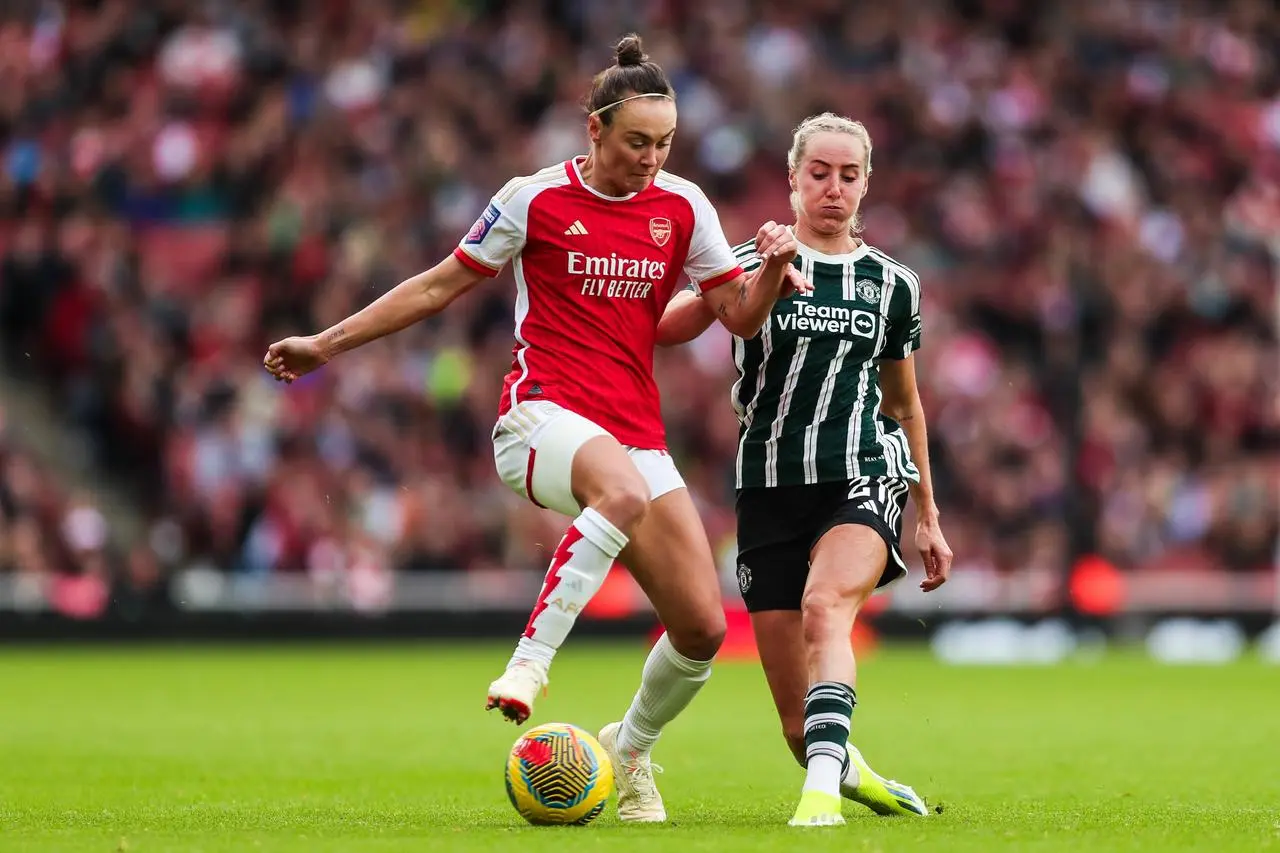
{"points": [[387, 749]]}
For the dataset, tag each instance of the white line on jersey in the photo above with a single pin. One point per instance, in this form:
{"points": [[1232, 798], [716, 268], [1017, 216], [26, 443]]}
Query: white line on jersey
{"points": [[577, 229]]}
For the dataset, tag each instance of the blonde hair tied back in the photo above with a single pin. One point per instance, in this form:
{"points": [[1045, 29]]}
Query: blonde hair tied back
{"points": [[826, 123]]}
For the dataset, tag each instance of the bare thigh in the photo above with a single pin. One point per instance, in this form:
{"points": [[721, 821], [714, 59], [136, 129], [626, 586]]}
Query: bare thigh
{"points": [[670, 558], [604, 477], [844, 566]]}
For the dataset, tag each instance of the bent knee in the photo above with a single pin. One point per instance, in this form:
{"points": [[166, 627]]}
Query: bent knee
{"points": [[828, 610], [701, 639], [822, 604], [625, 503], [820, 600]]}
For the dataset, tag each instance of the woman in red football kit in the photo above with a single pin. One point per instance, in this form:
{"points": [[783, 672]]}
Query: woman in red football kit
{"points": [[598, 244]]}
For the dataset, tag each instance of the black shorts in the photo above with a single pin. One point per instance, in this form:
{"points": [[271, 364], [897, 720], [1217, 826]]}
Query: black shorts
{"points": [[778, 527]]}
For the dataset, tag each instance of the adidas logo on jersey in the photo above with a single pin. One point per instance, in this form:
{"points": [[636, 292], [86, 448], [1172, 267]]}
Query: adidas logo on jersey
{"points": [[577, 229]]}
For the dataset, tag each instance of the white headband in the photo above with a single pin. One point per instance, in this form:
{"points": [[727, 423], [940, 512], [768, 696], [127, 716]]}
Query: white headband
{"points": [[608, 107]]}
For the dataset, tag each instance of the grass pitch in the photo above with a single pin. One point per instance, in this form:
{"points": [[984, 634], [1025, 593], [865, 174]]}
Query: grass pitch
{"points": [[388, 749]]}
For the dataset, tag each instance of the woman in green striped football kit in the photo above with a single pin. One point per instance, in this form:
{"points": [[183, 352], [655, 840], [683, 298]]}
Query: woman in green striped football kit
{"points": [[832, 440]]}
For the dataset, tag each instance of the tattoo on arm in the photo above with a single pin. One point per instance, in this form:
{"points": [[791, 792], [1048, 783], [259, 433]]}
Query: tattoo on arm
{"points": [[743, 292], [331, 339], [905, 418], [723, 310]]}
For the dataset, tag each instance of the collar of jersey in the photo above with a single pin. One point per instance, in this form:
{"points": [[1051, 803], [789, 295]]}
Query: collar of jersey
{"points": [[577, 174], [822, 257]]}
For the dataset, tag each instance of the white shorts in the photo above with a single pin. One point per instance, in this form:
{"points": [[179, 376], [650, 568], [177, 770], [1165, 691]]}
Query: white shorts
{"points": [[534, 445]]}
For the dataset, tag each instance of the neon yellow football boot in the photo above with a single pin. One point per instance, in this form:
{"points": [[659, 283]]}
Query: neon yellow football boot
{"points": [[882, 796], [817, 808]]}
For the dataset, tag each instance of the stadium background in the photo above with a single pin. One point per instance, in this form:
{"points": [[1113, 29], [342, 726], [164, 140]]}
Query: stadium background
{"points": [[1089, 190]]}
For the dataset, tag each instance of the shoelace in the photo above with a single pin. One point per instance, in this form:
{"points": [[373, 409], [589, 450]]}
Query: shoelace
{"points": [[642, 782]]}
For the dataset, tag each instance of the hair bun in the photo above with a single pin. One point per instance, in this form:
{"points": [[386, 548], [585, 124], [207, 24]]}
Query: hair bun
{"points": [[630, 51]]}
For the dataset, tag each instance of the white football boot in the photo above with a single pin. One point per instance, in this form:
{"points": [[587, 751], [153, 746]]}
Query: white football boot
{"points": [[514, 692], [638, 797]]}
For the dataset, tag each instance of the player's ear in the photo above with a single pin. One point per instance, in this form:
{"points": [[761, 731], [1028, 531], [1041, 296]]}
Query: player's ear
{"points": [[595, 129], [791, 179]]}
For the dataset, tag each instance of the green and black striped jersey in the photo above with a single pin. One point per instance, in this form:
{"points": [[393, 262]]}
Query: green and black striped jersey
{"points": [[808, 389]]}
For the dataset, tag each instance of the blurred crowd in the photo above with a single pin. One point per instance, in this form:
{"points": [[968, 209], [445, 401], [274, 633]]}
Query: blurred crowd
{"points": [[1090, 191]]}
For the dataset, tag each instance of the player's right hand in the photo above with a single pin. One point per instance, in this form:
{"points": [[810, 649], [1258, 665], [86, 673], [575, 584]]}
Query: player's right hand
{"points": [[290, 358]]}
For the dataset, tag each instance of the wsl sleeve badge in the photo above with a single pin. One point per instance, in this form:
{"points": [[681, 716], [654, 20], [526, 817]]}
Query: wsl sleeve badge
{"points": [[558, 774], [481, 229]]}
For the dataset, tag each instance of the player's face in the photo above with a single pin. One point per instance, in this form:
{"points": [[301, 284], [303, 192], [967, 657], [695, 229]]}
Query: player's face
{"points": [[831, 180], [631, 150]]}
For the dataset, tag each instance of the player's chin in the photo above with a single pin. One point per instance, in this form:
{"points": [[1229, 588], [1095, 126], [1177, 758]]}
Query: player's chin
{"points": [[828, 223], [640, 181]]}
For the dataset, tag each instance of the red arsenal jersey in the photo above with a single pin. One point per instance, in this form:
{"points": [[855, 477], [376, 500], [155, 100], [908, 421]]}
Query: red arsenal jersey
{"points": [[593, 275]]}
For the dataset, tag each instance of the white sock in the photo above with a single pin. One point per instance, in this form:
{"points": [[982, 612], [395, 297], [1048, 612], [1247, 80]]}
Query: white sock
{"points": [[823, 774], [528, 648], [852, 779], [827, 708], [669, 682], [578, 569]]}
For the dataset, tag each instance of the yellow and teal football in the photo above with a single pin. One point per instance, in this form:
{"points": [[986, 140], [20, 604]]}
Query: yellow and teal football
{"points": [[557, 774]]}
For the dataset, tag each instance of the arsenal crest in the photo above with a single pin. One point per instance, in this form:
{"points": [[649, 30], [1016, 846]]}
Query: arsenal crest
{"points": [[660, 230]]}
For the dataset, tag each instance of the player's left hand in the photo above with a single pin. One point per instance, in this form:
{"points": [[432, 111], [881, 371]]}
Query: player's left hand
{"points": [[793, 282], [934, 551]]}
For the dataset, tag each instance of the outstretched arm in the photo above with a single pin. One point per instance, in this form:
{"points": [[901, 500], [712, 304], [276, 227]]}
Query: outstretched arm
{"points": [[901, 401], [688, 315], [409, 302], [744, 304]]}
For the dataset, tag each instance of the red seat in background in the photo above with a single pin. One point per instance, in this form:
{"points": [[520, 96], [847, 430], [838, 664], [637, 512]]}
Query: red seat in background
{"points": [[184, 258]]}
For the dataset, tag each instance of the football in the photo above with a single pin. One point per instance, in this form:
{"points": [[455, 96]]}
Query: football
{"points": [[558, 773]]}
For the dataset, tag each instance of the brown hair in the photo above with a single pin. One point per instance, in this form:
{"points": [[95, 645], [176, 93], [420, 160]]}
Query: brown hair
{"points": [[631, 74]]}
